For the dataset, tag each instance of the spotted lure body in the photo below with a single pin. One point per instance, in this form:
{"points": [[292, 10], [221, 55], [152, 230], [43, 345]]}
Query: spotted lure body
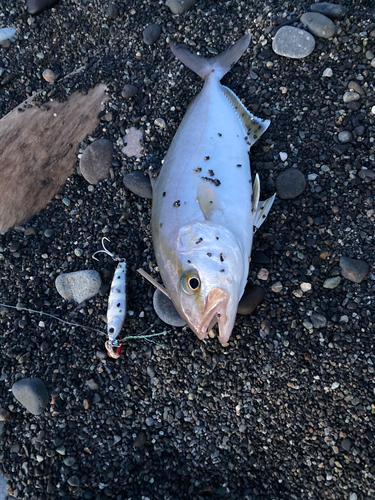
{"points": [[205, 208]]}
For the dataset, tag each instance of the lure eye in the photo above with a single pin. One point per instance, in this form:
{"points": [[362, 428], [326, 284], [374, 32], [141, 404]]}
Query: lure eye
{"points": [[191, 283]]}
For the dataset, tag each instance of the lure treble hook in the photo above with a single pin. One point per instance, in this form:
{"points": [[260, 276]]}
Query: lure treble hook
{"points": [[105, 250]]}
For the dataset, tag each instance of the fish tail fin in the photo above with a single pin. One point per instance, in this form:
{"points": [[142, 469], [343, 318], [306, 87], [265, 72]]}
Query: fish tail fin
{"points": [[221, 64], [260, 209]]}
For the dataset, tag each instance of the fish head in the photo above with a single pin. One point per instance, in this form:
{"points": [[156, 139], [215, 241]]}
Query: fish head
{"points": [[208, 281]]}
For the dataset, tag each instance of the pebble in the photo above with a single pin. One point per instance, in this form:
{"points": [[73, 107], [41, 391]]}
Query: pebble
{"points": [[166, 311], [263, 274], [307, 324], [159, 122], [318, 24], [69, 461], [367, 175], [139, 183], [318, 320], [78, 286], [112, 11], [290, 184], [7, 33], [353, 270], [352, 85], [259, 257], [48, 233], [32, 394], [94, 386], [133, 143], [250, 300], [36, 6], [74, 481], [151, 33], [334, 11], [66, 201], [328, 73], [345, 137], [78, 252], [332, 283], [30, 231], [277, 287], [283, 156], [96, 161], [293, 42], [351, 97], [140, 440], [305, 287], [129, 91], [180, 6], [346, 444], [49, 75], [4, 415], [61, 450]]}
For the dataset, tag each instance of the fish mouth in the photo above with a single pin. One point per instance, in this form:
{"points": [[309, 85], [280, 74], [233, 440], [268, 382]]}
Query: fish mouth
{"points": [[214, 312]]}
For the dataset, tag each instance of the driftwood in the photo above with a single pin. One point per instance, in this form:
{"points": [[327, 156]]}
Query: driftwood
{"points": [[38, 148]]}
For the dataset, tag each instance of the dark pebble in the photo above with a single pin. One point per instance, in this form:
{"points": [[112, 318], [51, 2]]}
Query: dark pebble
{"points": [[129, 91], [166, 311], [138, 183], [37, 6], [140, 440], [290, 184], [258, 257], [346, 444], [250, 300], [353, 270], [32, 394], [112, 11], [151, 33], [96, 161], [179, 6]]}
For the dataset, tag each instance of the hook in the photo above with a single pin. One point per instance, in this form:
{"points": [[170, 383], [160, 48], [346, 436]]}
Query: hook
{"points": [[105, 250]]}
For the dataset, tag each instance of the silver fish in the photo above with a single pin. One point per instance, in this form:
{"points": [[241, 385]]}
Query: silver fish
{"points": [[204, 209]]}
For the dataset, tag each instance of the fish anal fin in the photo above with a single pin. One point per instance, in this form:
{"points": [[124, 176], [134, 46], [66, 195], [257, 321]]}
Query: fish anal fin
{"points": [[207, 199], [253, 125]]}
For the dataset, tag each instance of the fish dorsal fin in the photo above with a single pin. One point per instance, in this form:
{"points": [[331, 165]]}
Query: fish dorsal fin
{"points": [[253, 125], [207, 199], [260, 209]]}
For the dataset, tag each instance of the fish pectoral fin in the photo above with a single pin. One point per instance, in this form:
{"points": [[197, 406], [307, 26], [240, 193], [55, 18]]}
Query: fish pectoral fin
{"points": [[253, 125], [207, 199], [261, 212]]}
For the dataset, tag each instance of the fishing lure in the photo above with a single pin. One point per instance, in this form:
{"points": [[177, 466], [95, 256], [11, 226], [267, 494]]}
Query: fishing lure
{"points": [[116, 311]]}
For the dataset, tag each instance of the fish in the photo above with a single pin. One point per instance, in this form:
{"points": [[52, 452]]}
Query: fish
{"points": [[205, 208]]}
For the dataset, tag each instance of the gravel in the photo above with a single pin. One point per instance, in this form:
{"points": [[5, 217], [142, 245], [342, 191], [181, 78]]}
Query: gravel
{"points": [[264, 417], [96, 161]]}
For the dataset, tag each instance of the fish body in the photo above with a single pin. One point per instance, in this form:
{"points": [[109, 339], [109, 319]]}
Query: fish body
{"points": [[204, 210]]}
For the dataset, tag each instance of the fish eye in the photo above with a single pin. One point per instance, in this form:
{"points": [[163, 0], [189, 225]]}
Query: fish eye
{"points": [[191, 282]]}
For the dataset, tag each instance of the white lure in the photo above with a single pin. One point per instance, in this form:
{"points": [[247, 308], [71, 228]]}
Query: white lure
{"points": [[205, 208], [116, 311]]}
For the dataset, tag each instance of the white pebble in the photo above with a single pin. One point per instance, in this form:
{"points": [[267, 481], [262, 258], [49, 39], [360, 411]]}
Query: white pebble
{"points": [[263, 274], [328, 72], [335, 385], [159, 122], [277, 287], [305, 287], [373, 110], [312, 177], [283, 156]]}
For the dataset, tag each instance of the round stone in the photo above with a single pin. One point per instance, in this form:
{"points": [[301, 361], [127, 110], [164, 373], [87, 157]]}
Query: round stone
{"points": [[180, 6], [129, 91], [331, 10], [96, 161], [139, 183], [351, 97], [78, 286], [151, 33], [250, 300], [32, 394], [277, 287], [345, 136], [48, 233], [166, 311], [49, 75], [293, 42], [318, 24], [353, 270], [290, 184], [346, 444], [74, 481]]}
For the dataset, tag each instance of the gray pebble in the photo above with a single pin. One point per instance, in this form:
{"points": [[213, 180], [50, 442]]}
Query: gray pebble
{"points": [[367, 175], [293, 42], [69, 461], [318, 320], [96, 161], [74, 481], [353, 85], [94, 386], [48, 233], [150, 372], [166, 311], [250, 300], [78, 252], [359, 130], [331, 10], [36, 6], [318, 24], [6, 33], [346, 444], [180, 6], [345, 136], [290, 184], [353, 270], [32, 394], [112, 11], [66, 201], [151, 33], [139, 183], [101, 355], [78, 286], [350, 97], [150, 421], [30, 231], [140, 440], [129, 91], [332, 283], [49, 75]]}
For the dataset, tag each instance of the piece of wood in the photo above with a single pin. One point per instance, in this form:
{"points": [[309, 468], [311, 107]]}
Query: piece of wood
{"points": [[38, 149]]}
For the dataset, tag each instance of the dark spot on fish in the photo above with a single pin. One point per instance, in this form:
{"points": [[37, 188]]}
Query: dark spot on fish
{"points": [[238, 165], [189, 261], [263, 216], [211, 172], [222, 270], [160, 225], [164, 194], [119, 304], [255, 136], [242, 114], [197, 170], [198, 241], [206, 158], [219, 134], [259, 127], [184, 202], [253, 210], [221, 258], [118, 277], [211, 201], [252, 196], [212, 71], [217, 237], [209, 254], [177, 203], [254, 229], [218, 315], [216, 182], [246, 138]]}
